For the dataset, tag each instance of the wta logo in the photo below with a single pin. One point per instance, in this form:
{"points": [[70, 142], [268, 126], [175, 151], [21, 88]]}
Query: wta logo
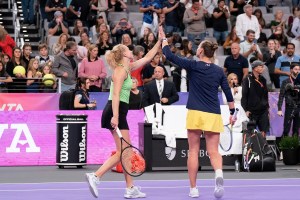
{"points": [[170, 153]]}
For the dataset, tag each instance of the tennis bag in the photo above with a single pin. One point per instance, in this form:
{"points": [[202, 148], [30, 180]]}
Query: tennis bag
{"points": [[257, 155], [66, 100]]}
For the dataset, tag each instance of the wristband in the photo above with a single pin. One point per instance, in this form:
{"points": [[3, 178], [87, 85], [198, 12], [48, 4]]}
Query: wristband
{"points": [[232, 110], [86, 106]]}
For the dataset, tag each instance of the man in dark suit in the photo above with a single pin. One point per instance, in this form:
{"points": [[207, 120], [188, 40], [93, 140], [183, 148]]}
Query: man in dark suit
{"points": [[159, 90]]}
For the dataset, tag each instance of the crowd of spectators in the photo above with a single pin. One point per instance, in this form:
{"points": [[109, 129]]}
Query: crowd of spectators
{"points": [[237, 25]]}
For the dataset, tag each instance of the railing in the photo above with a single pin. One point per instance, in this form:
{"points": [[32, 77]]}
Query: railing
{"points": [[19, 85], [16, 22]]}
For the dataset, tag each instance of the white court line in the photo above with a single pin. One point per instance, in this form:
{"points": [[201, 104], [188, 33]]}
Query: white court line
{"points": [[137, 180], [174, 187]]}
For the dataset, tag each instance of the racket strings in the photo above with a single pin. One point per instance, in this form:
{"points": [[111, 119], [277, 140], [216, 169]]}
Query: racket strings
{"points": [[132, 161]]}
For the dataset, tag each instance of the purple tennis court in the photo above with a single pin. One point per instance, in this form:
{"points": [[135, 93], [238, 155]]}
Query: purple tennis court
{"points": [[247, 189]]}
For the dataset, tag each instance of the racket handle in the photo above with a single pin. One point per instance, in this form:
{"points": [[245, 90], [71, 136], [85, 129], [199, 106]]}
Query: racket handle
{"points": [[119, 132], [235, 113]]}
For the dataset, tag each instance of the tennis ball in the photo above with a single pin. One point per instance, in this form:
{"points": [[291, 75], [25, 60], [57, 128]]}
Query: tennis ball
{"points": [[48, 79], [19, 70]]}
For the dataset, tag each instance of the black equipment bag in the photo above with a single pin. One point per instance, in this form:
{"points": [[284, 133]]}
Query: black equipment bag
{"points": [[66, 100], [257, 155]]}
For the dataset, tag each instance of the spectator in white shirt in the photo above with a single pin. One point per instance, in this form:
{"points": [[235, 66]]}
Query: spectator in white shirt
{"points": [[247, 21]]}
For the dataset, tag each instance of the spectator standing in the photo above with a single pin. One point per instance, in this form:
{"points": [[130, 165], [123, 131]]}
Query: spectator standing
{"points": [[235, 88], [194, 20], [255, 97], [138, 53], [28, 12], [93, 68], [283, 63], [6, 42], [236, 7], [65, 66], [173, 11], [247, 21], [220, 16], [116, 6], [151, 10], [270, 57]]}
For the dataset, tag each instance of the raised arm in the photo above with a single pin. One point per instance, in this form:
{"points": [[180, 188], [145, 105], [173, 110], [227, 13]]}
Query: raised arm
{"points": [[180, 62], [147, 58]]}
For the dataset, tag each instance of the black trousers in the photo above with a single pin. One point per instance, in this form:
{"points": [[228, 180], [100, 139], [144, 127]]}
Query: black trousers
{"points": [[291, 115], [261, 120]]}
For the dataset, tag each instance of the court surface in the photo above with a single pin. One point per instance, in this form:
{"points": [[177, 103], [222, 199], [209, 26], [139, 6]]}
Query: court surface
{"points": [[49, 182]]}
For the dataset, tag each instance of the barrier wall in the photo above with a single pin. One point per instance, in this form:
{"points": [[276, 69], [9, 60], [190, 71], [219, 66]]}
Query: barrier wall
{"points": [[29, 138]]}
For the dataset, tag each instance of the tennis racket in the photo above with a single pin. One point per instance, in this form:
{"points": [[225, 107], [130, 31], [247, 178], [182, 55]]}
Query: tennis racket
{"points": [[226, 137], [132, 159]]}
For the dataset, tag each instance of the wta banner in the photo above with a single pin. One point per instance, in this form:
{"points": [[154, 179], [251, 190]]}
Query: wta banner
{"points": [[29, 138], [28, 101]]}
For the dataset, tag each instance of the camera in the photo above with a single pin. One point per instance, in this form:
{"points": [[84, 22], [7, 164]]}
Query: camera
{"points": [[123, 24]]}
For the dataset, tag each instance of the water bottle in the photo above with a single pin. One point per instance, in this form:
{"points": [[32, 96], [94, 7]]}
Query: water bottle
{"points": [[206, 33], [237, 166], [79, 12]]}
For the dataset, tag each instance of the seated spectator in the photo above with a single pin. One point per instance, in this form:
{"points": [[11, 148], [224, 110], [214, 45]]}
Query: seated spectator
{"points": [[99, 27], [6, 42], [159, 90], [235, 87], [262, 40], [104, 43], [44, 56], [116, 6], [93, 68], [291, 18], [180, 78], [26, 53], [136, 96], [278, 21], [99, 8], [247, 21], [82, 51], [65, 66], [123, 27], [127, 41], [49, 88], [59, 46], [33, 76], [19, 82], [4, 78], [84, 38], [149, 42], [260, 18], [138, 53], [279, 35], [4, 58], [249, 48], [278, 47], [144, 36], [54, 5], [148, 72], [82, 99], [78, 27], [230, 39], [236, 63], [58, 26]]}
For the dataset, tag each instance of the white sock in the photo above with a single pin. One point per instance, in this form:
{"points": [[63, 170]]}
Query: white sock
{"points": [[219, 173]]}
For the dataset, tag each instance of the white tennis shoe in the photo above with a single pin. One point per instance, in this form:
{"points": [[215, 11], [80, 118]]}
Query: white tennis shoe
{"points": [[134, 192], [93, 181], [194, 192], [219, 189]]}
